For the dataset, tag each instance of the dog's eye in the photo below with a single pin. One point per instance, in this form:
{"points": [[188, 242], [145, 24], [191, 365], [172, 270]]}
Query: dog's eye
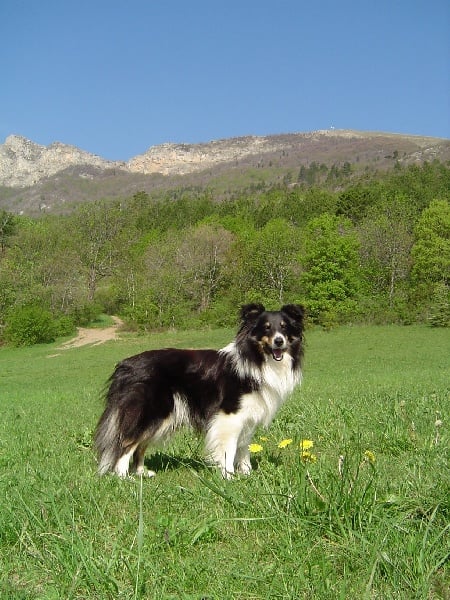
{"points": [[267, 326], [283, 325]]}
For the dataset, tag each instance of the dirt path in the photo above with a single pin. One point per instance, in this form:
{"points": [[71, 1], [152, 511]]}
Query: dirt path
{"points": [[93, 336]]}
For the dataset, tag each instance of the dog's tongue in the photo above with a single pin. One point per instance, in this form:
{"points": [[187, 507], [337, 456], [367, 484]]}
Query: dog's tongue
{"points": [[277, 354]]}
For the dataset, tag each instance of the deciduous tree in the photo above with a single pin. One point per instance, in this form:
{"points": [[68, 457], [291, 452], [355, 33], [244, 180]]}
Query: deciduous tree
{"points": [[266, 261], [330, 263], [97, 227], [431, 251], [386, 241]]}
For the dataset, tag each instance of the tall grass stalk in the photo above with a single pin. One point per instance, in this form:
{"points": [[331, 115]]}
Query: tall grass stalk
{"points": [[140, 536]]}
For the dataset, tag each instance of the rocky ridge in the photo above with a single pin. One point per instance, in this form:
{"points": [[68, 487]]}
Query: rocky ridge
{"points": [[36, 178], [181, 159], [24, 163]]}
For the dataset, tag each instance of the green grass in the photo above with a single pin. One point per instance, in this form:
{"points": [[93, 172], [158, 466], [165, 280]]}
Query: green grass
{"points": [[340, 527]]}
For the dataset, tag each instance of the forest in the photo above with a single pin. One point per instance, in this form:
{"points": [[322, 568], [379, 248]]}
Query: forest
{"points": [[372, 249]]}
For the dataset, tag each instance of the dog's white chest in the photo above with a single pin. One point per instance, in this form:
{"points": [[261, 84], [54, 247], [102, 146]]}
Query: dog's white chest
{"points": [[279, 376], [278, 380]]}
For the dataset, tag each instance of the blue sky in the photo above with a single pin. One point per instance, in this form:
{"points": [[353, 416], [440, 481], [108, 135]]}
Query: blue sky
{"points": [[115, 78]]}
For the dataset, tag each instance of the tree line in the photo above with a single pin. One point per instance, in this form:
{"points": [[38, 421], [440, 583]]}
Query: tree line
{"points": [[377, 251]]}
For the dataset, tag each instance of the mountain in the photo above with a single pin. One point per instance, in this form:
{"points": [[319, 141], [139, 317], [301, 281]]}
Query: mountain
{"points": [[34, 178], [302, 148], [24, 163]]}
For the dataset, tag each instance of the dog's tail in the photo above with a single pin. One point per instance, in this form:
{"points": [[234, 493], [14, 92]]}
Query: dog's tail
{"points": [[107, 439]]}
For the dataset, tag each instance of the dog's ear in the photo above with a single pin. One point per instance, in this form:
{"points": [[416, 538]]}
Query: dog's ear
{"points": [[294, 311], [250, 312]]}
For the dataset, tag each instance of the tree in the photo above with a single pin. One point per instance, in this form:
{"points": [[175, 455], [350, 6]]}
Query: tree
{"points": [[330, 262], [386, 241], [200, 257], [183, 273], [431, 251], [98, 226], [431, 256], [301, 206], [355, 201], [266, 261], [43, 264]]}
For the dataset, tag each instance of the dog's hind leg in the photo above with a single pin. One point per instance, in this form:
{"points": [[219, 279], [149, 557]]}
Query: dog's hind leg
{"points": [[122, 466]]}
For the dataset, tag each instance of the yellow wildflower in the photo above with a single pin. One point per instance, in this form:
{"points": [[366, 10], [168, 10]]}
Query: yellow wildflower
{"points": [[263, 438], [284, 443], [308, 456], [369, 456], [255, 448], [306, 445]]}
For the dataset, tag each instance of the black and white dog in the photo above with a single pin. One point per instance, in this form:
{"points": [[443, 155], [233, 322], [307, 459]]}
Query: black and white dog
{"points": [[224, 393]]}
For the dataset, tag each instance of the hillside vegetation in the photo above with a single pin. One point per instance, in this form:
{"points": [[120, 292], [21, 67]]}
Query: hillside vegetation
{"points": [[366, 249]]}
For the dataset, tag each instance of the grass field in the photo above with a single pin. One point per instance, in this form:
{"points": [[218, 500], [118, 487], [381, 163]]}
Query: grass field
{"points": [[362, 514]]}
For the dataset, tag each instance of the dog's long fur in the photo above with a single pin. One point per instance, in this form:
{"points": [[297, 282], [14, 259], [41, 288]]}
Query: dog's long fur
{"points": [[226, 393]]}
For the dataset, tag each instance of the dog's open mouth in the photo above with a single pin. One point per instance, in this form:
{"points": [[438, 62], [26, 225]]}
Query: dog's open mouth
{"points": [[277, 353]]}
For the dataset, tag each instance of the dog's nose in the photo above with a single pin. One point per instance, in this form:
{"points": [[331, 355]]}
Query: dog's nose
{"points": [[278, 341]]}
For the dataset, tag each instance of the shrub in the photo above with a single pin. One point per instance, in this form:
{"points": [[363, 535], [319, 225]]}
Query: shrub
{"points": [[28, 325], [84, 314], [144, 314], [64, 326]]}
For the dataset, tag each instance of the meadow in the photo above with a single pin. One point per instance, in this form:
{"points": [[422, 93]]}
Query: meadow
{"points": [[349, 497]]}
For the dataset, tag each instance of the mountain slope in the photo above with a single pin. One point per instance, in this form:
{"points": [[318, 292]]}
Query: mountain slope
{"points": [[36, 178]]}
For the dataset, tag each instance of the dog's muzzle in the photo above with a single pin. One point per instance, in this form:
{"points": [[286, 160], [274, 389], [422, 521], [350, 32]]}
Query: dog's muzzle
{"points": [[278, 347]]}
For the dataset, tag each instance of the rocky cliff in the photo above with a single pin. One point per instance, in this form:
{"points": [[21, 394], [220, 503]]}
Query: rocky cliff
{"points": [[24, 163], [180, 159]]}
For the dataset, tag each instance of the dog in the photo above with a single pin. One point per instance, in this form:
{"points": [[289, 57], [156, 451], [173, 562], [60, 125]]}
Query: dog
{"points": [[223, 393]]}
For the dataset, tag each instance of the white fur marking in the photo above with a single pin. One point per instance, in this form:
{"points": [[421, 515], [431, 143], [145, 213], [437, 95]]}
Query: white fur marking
{"points": [[109, 431], [177, 418], [243, 368], [222, 440], [123, 464]]}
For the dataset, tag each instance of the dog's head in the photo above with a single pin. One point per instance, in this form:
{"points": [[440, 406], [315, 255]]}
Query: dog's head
{"points": [[274, 332]]}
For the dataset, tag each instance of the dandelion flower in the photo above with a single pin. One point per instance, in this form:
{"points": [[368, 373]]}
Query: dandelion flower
{"points": [[308, 456], [369, 456], [255, 448], [306, 445], [263, 438], [284, 443]]}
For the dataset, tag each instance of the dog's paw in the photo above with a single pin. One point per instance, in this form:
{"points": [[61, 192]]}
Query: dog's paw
{"points": [[244, 468], [145, 472], [229, 475]]}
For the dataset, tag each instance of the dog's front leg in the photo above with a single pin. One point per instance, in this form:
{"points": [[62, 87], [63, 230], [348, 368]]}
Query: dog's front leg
{"points": [[243, 463], [221, 442], [224, 457]]}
